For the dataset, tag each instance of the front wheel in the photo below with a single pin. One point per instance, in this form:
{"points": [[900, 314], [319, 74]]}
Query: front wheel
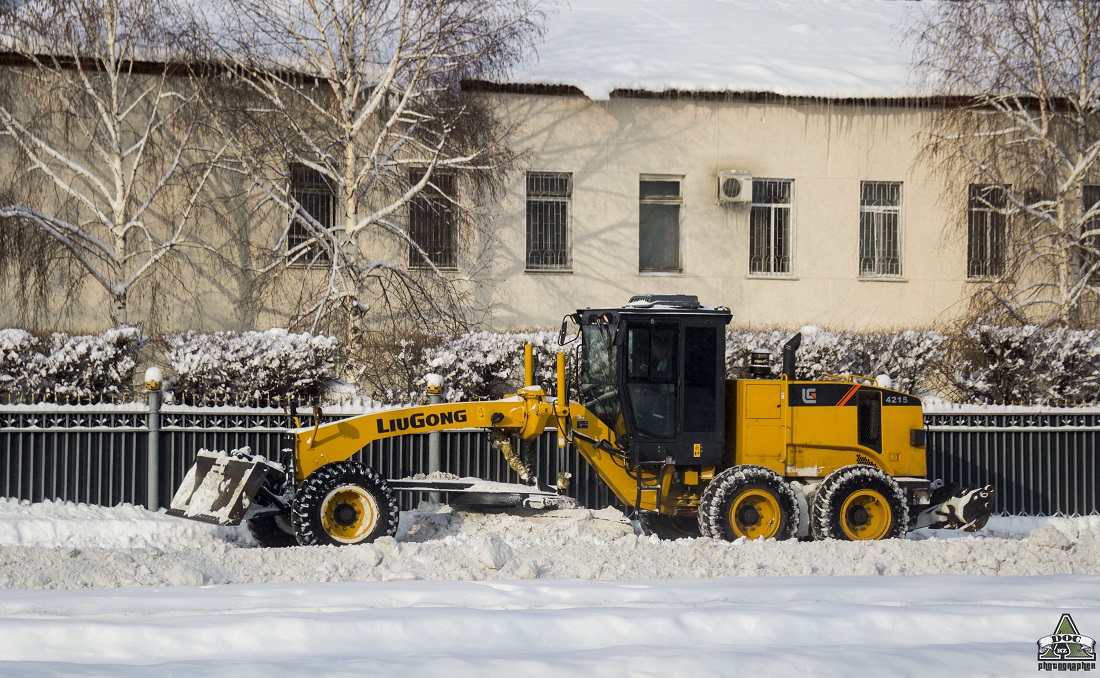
{"points": [[344, 503], [750, 502], [857, 503]]}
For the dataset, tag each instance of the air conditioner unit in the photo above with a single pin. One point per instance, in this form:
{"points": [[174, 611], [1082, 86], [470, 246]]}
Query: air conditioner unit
{"points": [[734, 186]]}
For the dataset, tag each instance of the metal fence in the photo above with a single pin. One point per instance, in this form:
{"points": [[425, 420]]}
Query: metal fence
{"points": [[1041, 463], [100, 454]]}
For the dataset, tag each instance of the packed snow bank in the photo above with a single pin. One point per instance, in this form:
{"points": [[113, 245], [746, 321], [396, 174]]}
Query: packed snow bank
{"points": [[55, 545], [843, 626], [693, 606]]}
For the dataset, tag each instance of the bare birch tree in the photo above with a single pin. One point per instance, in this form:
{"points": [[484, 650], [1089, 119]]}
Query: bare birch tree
{"points": [[1024, 127], [361, 100], [105, 117]]}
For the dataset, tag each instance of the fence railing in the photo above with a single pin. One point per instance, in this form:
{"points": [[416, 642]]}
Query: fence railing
{"points": [[1040, 462]]}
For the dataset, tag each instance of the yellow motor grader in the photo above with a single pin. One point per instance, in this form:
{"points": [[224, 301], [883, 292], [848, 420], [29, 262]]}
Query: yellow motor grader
{"points": [[659, 422]]}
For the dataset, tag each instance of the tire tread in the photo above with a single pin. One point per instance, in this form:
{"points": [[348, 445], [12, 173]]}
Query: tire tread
{"points": [[830, 495], [720, 493], [305, 514]]}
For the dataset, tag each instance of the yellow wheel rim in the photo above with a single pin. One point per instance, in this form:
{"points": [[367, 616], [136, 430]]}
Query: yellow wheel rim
{"points": [[866, 514], [349, 513], [755, 514]]}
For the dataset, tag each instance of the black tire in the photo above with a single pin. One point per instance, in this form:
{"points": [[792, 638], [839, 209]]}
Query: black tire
{"points": [[857, 503], [750, 502], [341, 503], [272, 531]]}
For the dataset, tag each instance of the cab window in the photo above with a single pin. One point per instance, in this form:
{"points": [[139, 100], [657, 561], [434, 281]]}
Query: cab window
{"points": [[652, 374]]}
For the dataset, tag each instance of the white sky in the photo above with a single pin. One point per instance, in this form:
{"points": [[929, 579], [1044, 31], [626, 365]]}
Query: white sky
{"points": [[829, 48]]}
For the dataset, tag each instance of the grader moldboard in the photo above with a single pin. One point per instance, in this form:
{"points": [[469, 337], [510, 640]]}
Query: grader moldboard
{"points": [[659, 422]]}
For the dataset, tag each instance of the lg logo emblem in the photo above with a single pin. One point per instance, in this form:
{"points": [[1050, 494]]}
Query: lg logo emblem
{"points": [[809, 396]]}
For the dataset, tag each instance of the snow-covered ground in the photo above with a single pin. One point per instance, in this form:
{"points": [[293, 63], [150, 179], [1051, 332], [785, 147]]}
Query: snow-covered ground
{"points": [[120, 591]]}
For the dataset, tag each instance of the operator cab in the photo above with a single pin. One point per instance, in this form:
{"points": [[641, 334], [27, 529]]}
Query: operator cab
{"points": [[654, 372]]}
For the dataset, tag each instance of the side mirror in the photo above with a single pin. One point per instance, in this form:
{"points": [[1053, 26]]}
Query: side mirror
{"points": [[620, 336], [565, 328]]}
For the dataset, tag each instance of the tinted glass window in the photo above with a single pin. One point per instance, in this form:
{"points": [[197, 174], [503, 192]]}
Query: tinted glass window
{"points": [[652, 372], [700, 378]]}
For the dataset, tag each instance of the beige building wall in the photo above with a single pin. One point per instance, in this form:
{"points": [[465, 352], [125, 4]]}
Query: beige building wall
{"points": [[826, 148]]}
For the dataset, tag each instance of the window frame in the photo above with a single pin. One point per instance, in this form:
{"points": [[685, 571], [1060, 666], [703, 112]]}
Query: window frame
{"points": [[548, 198], [678, 202], [307, 188], [773, 209], [1093, 223], [878, 215], [423, 203], [986, 266], [1086, 205]]}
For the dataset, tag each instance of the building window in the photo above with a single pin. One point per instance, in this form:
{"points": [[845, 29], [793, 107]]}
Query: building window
{"points": [[659, 224], [432, 222], [314, 214], [549, 208], [770, 227], [1091, 198], [985, 244], [880, 228]]}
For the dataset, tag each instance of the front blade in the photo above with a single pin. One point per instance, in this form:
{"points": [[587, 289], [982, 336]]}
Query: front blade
{"points": [[219, 488]]}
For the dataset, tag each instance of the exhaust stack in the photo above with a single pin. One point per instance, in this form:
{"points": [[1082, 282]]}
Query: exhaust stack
{"points": [[789, 350]]}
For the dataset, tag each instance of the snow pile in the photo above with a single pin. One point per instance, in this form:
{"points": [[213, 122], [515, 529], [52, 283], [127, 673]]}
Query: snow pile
{"points": [[841, 626], [829, 48], [53, 545], [70, 367], [124, 592], [255, 364]]}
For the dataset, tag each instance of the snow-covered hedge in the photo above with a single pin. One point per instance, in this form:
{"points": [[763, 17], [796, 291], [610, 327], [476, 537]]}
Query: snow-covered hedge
{"points": [[1027, 365], [488, 364], [982, 364], [18, 351], [250, 364], [908, 357], [68, 367]]}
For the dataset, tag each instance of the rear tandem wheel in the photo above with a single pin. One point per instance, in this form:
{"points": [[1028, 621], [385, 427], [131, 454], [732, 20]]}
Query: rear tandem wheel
{"points": [[748, 501], [859, 502]]}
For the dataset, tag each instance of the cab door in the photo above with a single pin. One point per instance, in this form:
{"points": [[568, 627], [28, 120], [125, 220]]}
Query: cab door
{"points": [[652, 380], [674, 381]]}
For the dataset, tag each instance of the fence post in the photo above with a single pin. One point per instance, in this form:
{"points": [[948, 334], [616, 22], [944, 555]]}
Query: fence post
{"points": [[435, 396], [153, 381]]}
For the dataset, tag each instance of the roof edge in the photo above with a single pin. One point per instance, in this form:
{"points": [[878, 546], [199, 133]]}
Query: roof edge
{"points": [[926, 101]]}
